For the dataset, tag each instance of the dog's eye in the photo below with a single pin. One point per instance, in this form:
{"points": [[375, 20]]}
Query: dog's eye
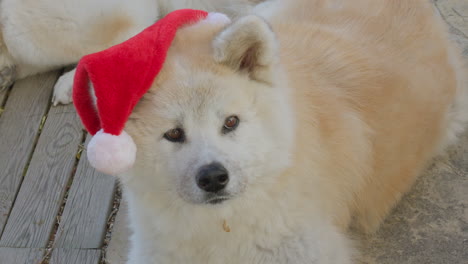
{"points": [[230, 124], [175, 135]]}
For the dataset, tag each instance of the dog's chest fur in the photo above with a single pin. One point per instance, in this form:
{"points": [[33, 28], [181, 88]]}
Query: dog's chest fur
{"points": [[240, 232]]}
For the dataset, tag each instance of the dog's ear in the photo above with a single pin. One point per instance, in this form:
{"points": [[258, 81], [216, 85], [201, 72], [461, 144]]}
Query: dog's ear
{"points": [[248, 46]]}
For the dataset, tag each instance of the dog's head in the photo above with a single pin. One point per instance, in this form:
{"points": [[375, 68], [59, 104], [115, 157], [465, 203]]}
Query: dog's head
{"points": [[217, 120]]}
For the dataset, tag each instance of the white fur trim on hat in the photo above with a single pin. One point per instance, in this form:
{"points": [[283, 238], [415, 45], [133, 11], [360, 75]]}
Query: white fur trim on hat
{"points": [[111, 154], [217, 18]]}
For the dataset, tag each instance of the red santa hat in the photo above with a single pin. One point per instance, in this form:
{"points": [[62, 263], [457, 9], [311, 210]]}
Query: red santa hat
{"points": [[120, 76]]}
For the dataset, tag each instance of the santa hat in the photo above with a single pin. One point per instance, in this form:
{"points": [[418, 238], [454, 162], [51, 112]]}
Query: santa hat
{"points": [[120, 76]]}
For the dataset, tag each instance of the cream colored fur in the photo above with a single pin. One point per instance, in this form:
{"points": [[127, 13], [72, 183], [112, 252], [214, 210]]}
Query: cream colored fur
{"points": [[341, 105], [39, 35], [389, 69]]}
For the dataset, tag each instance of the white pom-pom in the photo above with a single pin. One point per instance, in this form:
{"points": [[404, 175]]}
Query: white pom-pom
{"points": [[217, 18], [111, 154]]}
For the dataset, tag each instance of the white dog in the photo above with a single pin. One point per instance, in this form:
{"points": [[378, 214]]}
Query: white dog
{"points": [[263, 139], [39, 35]]}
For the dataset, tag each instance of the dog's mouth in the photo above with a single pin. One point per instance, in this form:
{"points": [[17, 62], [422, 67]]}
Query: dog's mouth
{"points": [[217, 199]]}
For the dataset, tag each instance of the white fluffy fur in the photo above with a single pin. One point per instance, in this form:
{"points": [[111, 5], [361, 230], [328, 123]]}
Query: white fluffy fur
{"points": [[63, 88], [457, 117], [218, 18], [111, 154]]}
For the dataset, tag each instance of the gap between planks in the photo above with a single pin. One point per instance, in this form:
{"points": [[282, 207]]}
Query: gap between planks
{"points": [[3, 98], [39, 198], [27, 104], [86, 213]]}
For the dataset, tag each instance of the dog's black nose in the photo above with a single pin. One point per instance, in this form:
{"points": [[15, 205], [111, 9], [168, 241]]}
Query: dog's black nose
{"points": [[212, 177]]}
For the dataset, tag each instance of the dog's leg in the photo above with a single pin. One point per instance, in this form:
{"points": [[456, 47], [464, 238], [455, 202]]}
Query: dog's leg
{"points": [[381, 194], [63, 89]]}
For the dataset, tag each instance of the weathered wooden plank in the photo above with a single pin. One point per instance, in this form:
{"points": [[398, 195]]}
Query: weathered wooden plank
{"points": [[21, 255], [75, 256], [39, 199], [19, 124], [89, 203]]}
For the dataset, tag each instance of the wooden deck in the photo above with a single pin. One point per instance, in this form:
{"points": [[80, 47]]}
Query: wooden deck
{"points": [[54, 207]]}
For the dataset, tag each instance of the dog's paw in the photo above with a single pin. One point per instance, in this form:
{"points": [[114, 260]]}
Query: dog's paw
{"points": [[63, 89], [7, 77]]}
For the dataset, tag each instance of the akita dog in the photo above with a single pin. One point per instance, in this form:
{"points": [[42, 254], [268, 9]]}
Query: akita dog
{"points": [[40, 35], [262, 140]]}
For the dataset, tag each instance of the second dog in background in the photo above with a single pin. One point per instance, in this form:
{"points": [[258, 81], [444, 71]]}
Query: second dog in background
{"points": [[41, 35]]}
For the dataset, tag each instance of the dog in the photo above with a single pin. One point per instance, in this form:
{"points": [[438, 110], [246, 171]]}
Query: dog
{"points": [[37, 36], [262, 140]]}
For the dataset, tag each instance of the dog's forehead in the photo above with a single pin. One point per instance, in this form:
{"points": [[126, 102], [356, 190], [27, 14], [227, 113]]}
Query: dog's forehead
{"points": [[198, 93], [195, 89]]}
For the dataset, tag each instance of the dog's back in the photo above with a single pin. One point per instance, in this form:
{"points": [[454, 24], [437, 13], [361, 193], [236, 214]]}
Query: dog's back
{"points": [[389, 65]]}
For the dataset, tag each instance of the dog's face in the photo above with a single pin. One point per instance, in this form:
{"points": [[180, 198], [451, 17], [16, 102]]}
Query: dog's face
{"points": [[217, 121]]}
